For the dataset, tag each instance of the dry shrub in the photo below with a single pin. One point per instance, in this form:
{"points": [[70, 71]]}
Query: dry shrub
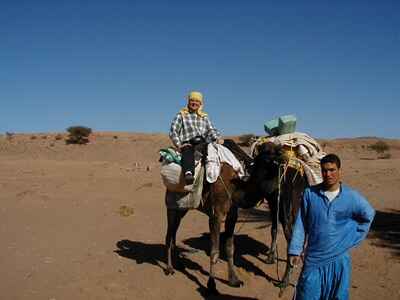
{"points": [[58, 137], [126, 211], [33, 137], [380, 147], [78, 135], [9, 135], [385, 156]]}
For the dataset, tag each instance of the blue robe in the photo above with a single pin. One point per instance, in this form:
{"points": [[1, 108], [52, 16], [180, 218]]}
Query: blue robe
{"points": [[330, 229]]}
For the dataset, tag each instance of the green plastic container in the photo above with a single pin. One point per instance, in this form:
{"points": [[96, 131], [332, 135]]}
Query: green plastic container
{"points": [[287, 124], [272, 127]]}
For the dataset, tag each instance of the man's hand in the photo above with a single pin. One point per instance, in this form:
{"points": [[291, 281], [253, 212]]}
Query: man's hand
{"points": [[294, 260], [220, 141]]}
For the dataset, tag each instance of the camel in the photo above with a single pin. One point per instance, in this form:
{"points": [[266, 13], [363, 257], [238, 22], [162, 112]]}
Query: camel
{"points": [[220, 205], [282, 185]]}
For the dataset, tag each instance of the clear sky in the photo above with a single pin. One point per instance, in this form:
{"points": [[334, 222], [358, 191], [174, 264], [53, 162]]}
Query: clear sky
{"points": [[127, 65]]}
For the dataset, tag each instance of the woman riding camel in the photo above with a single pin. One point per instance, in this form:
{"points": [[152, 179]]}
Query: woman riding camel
{"points": [[189, 125]]}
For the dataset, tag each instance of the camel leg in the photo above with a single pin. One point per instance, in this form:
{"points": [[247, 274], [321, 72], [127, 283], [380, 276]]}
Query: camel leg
{"points": [[230, 223], [289, 268], [288, 272], [215, 227], [271, 254], [174, 218]]}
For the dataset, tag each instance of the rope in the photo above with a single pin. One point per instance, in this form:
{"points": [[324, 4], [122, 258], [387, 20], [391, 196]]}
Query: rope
{"points": [[225, 187], [277, 220], [230, 198], [281, 178]]}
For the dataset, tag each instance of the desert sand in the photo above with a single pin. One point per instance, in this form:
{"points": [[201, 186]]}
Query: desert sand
{"points": [[88, 222]]}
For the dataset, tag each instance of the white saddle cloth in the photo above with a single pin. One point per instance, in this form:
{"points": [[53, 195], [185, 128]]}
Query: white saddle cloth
{"points": [[218, 154]]}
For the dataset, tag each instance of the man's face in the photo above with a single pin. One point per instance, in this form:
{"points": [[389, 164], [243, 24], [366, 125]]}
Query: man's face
{"points": [[330, 174], [194, 105]]}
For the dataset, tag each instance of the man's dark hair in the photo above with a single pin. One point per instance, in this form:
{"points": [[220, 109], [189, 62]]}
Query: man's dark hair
{"points": [[331, 158]]}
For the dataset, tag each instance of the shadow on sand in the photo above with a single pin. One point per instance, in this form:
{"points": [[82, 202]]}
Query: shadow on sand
{"points": [[386, 230], [155, 254], [244, 245]]}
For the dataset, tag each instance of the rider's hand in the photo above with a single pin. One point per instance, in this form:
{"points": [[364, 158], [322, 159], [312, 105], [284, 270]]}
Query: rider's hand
{"points": [[294, 260], [220, 141]]}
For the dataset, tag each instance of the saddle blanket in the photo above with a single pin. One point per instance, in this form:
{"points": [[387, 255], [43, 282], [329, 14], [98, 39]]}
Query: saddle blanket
{"points": [[218, 154]]}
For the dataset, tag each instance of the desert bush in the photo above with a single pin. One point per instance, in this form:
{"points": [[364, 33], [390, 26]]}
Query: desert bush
{"points": [[58, 137], [115, 137], [33, 137], [126, 211], [380, 147], [78, 135], [9, 135], [247, 139], [385, 156]]}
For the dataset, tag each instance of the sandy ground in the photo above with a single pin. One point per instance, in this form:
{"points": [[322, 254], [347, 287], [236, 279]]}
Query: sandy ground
{"points": [[88, 222]]}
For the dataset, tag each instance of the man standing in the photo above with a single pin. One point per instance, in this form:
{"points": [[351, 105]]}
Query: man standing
{"points": [[332, 219]]}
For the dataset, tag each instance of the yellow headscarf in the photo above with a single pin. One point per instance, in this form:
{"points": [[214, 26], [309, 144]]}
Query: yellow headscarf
{"points": [[195, 96]]}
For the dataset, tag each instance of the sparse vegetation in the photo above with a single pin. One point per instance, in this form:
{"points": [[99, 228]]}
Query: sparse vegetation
{"points": [[33, 137], [78, 135], [58, 137], [9, 135], [381, 147], [126, 211], [385, 156]]}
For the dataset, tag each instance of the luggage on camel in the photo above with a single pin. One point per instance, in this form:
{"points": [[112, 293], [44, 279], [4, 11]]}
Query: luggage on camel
{"points": [[282, 125], [301, 151], [179, 195], [184, 196]]}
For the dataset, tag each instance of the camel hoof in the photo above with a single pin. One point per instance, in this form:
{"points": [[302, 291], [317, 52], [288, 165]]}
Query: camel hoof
{"points": [[235, 283], [270, 259], [169, 271], [282, 285], [212, 287]]}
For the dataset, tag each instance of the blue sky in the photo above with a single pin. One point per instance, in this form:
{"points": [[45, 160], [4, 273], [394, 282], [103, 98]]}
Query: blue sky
{"points": [[127, 65]]}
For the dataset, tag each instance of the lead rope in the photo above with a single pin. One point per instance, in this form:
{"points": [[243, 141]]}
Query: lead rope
{"points": [[280, 180], [277, 220], [230, 198], [226, 189]]}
